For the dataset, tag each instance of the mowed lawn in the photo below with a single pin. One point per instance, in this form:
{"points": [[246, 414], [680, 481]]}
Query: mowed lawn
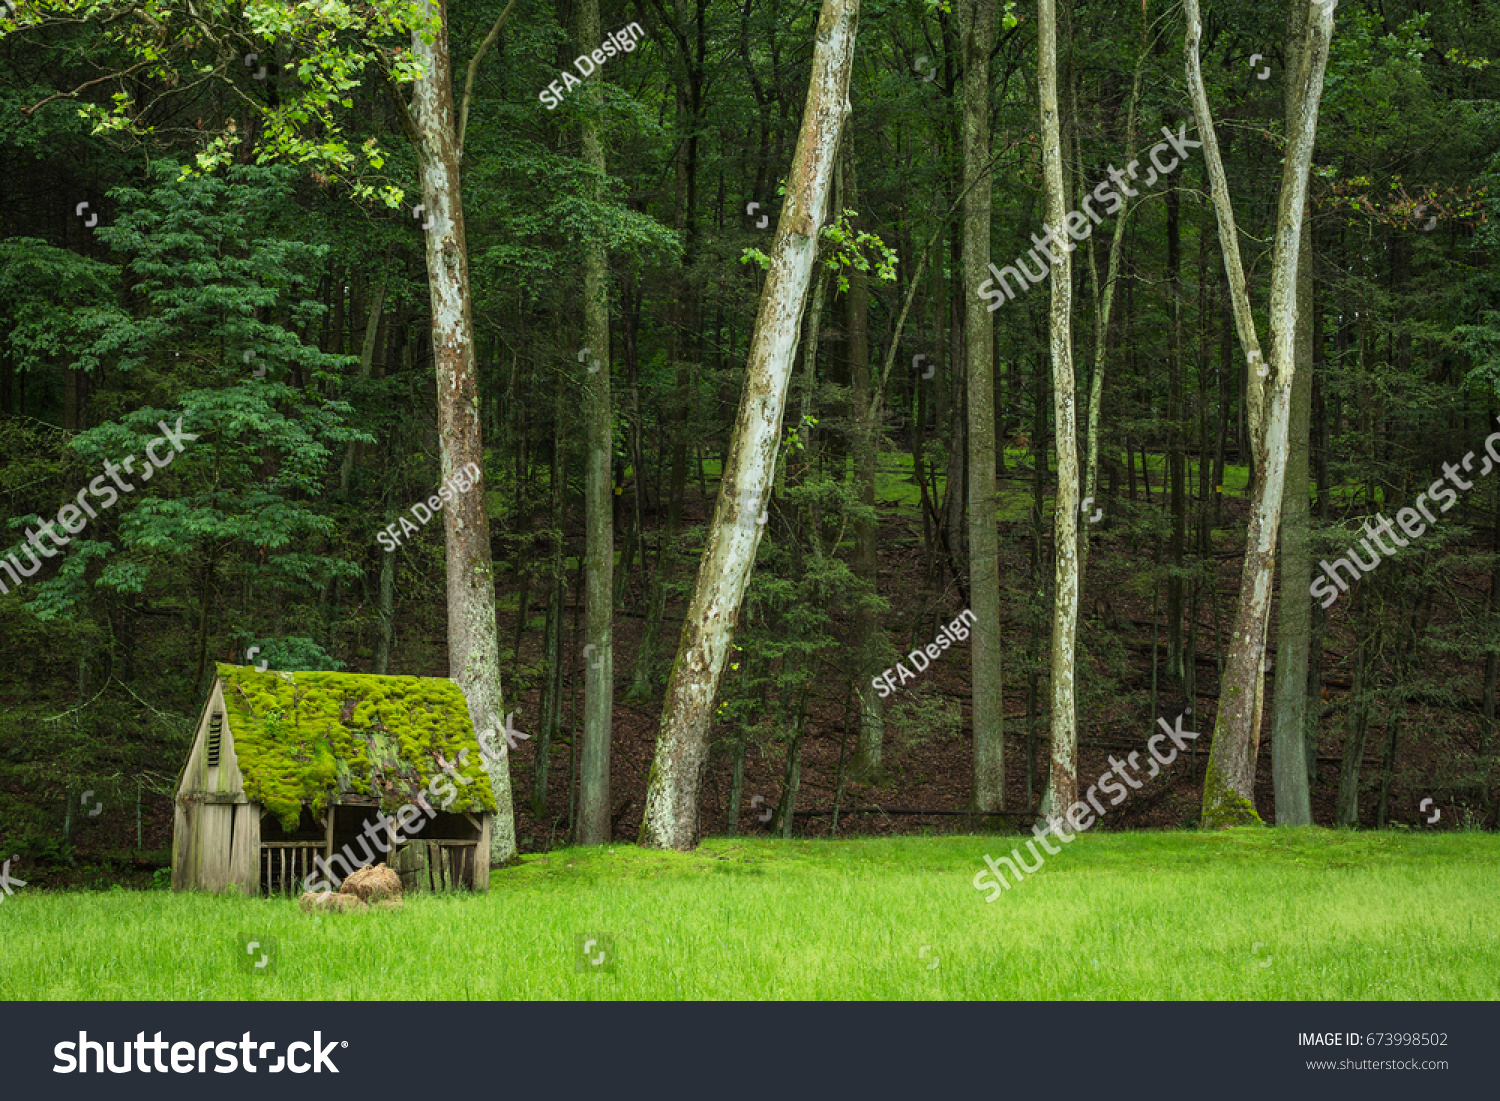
{"points": [[1241, 914]]}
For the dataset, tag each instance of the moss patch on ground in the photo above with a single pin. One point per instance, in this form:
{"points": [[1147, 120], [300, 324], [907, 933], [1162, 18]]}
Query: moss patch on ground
{"points": [[315, 737]]}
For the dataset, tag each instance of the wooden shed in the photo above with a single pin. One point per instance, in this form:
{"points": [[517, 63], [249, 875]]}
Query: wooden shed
{"points": [[296, 779]]}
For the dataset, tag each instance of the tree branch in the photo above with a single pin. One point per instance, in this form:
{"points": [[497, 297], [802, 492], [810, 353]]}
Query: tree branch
{"points": [[877, 400], [1244, 320], [27, 111], [403, 112], [484, 48]]}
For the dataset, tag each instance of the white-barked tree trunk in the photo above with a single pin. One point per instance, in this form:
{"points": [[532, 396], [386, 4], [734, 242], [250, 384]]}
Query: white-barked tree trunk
{"points": [[1229, 786], [671, 814], [473, 643], [1063, 778]]}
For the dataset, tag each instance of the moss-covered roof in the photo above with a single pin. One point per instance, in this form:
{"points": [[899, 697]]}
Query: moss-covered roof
{"points": [[315, 737]]}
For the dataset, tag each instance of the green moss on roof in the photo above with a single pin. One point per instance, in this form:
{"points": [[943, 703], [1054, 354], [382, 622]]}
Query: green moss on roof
{"points": [[314, 737]]}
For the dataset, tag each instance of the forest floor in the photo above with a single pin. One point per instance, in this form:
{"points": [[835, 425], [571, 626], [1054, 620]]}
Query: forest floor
{"points": [[925, 784], [1243, 914]]}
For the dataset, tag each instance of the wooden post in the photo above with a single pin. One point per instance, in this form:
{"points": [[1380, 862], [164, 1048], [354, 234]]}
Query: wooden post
{"points": [[328, 838], [482, 856]]}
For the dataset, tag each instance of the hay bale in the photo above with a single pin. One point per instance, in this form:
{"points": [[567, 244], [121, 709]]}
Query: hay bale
{"points": [[330, 902], [372, 884]]}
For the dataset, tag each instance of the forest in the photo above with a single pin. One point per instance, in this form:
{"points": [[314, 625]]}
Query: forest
{"points": [[805, 420]]}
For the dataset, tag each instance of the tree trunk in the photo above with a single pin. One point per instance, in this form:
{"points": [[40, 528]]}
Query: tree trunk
{"points": [[1176, 470], [671, 812], [551, 703], [954, 490], [1289, 719], [473, 645], [1239, 296], [557, 600], [366, 362], [386, 607], [1346, 810], [1038, 583], [1491, 657], [1229, 785], [1063, 781], [599, 552], [736, 787], [1104, 300], [976, 19], [867, 634]]}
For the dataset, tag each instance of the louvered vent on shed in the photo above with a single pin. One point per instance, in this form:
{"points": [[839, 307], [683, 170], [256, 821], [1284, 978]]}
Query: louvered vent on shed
{"points": [[215, 735]]}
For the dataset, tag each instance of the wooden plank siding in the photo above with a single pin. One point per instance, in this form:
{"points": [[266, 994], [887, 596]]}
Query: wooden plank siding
{"points": [[244, 849], [216, 841]]}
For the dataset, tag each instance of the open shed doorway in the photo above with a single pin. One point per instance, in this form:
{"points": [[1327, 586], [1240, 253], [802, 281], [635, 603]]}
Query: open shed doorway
{"points": [[450, 851], [439, 851], [287, 857]]}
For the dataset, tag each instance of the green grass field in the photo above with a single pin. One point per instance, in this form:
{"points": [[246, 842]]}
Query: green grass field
{"points": [[1242, 914]]}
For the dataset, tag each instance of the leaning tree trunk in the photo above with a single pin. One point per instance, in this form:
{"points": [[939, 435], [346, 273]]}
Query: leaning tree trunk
{"points": [[671, 813], [599, 552], [1063, 777], [1229, 241], [473, 646], [977, 32], [1229, 785]]}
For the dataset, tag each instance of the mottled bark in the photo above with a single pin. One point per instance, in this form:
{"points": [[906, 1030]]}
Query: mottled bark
{"points": [[1229, 785], [1063, 786], [976, 19], [672, 795], [1229, 242], [1289, 716], [598, 495], [473, 645]]}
